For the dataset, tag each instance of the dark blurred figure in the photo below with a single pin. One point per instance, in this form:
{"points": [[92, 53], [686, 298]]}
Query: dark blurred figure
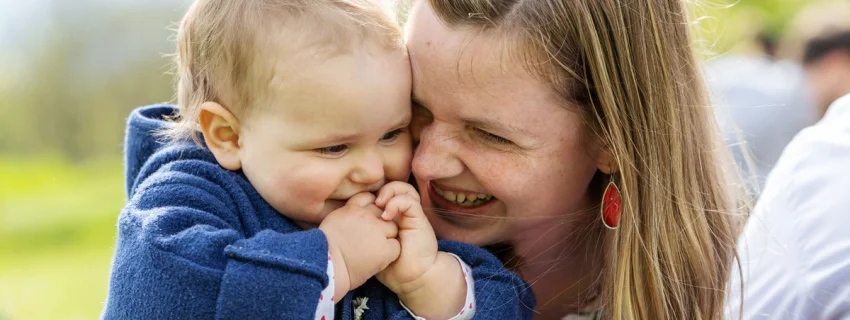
{"points": [[767, 42], [827, 61], [820, 38]]}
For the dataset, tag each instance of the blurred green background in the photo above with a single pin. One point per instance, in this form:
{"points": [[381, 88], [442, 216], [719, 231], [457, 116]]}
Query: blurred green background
{"points": [[70, 73]]}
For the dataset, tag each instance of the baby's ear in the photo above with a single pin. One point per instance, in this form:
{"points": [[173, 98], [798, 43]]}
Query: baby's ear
{"points": [[221, 133]]}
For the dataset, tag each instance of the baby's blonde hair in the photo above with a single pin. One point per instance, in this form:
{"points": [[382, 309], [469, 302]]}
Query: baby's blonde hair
{"points": [[227, 49]]}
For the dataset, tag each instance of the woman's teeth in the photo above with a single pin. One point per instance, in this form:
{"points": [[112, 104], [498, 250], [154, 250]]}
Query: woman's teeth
{"points": [[464, 199]]}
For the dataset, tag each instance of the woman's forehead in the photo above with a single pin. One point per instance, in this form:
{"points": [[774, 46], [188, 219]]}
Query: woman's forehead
{"points": [[478, 66], [464, 73], [475, 76]]}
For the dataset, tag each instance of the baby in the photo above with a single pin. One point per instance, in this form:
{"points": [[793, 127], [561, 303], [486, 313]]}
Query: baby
{"points": [[299, 112]]}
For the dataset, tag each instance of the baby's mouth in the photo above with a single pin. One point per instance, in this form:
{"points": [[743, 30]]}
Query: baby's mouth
{"points": [[465, 199]]}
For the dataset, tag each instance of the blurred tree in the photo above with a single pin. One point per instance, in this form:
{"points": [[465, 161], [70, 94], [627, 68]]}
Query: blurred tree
{"points": [[739, 24], [87, 68]]}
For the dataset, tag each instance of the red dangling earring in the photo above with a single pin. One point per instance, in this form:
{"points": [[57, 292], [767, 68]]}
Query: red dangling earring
{"points": [[611, 205]]}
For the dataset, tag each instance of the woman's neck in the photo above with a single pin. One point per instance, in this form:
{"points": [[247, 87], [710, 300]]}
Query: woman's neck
{"points": [[562, 267]]}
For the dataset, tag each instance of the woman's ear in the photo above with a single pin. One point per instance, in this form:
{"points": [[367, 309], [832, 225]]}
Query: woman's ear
{"points": [[605, 161], [221, 134]]}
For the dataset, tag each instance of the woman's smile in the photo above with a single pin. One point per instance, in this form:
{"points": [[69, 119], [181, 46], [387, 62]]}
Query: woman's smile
{"points": [[462, 198], [457, 206]]}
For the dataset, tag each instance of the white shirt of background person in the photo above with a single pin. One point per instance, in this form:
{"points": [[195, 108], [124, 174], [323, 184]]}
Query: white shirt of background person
{"points": [[795, 249], [762, 101]]}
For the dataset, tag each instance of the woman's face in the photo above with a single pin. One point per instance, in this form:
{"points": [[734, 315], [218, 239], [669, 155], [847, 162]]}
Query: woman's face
{"points": [[488, 128]]}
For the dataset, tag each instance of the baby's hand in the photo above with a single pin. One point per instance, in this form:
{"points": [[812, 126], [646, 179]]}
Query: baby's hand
{"points": [[361, 243], [430, 283], [400, 201]]}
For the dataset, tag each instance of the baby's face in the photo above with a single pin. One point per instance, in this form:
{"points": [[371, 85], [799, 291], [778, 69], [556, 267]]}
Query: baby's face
{"points": [[335, 129]]}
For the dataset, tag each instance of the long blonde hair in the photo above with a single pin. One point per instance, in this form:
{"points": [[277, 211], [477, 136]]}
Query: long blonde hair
{"points": [[629, 67]]}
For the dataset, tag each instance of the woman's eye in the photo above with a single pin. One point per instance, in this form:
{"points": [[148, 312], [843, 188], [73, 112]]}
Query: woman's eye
{"points": [[333, 150], [492, 137], [391, 136]]}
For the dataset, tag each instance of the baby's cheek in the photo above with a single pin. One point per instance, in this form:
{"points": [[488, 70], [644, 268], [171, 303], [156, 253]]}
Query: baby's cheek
{"points": [[398, 162], [307, 188], [297, 195]]}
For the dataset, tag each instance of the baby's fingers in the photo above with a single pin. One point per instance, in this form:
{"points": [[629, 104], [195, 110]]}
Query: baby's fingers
{"points": [[398, 204], [362, 199], [393, 189], [410, 209]]}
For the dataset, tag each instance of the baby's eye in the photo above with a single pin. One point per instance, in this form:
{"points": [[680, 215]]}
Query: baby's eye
{"points": [[391, 136], [333, 150]]}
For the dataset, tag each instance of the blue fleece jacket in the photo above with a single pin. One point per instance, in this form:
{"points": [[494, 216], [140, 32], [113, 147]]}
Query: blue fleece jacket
{"points": [[196, 241]]}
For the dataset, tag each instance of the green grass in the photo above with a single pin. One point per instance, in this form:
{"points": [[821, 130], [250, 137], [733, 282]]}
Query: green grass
{"points": [[57, 232]]}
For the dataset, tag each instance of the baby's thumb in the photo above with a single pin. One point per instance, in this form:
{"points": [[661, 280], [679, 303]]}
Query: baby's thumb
{"points": [[361, 199]]}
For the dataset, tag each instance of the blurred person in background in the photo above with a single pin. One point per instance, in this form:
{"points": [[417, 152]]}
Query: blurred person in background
{"points": [[820, 38], [795, 249], [761, 104]]}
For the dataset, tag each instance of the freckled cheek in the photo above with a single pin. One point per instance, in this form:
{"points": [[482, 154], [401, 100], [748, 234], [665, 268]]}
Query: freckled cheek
{"points": [[519, 185], [518, 195], [552, 189]]}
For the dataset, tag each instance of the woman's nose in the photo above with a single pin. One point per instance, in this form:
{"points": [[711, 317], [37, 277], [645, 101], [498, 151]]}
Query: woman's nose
{"points": [[436, 156]]}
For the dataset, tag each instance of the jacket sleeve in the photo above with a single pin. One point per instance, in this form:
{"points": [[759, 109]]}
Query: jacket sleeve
{"points": [[181, 255], [499, 293]]}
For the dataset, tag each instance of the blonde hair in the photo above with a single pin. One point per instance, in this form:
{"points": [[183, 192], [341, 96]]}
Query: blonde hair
{"points": [[629, 68], [226, 49]]}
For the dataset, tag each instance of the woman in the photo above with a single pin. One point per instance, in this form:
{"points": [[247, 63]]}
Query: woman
{"points": [[537, 108]]}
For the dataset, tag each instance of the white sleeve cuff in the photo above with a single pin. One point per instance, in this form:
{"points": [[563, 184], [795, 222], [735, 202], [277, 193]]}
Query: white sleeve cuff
{"points": [[468, 309], [325, 308]]}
